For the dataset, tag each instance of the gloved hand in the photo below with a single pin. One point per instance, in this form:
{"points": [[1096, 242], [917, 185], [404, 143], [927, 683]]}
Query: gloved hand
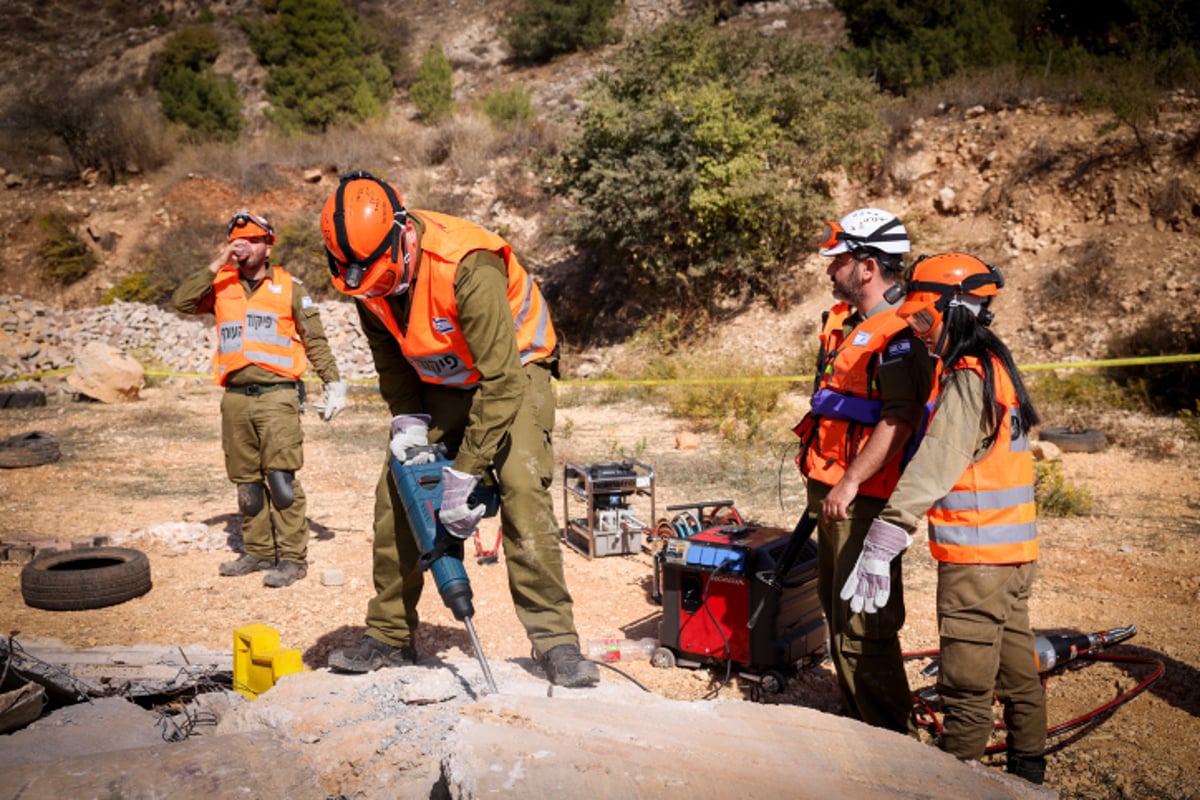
{"points": [[460, 519], [410, 432], [870, 583], [333, 401]]}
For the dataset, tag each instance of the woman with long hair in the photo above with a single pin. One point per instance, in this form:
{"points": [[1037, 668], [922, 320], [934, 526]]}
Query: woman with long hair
{"points": [[972, 475]]}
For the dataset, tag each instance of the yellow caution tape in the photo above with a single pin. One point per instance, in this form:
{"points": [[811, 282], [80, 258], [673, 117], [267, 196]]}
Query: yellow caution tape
{"points": [[1109, 362]]}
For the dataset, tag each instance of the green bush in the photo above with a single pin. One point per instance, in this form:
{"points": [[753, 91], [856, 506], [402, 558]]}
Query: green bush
{"points": [[146, 286], [63, 256], [543, 29], [321, 70], [698, 172], [191, 93], [1055, 496], [918, 43], [1165, 387], [431, 92], [509, 107]]}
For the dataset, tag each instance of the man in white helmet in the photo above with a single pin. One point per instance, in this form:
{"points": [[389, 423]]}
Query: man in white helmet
{"points": [[874, 377]]}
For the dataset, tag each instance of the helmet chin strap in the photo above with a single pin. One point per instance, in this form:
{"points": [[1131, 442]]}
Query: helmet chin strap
{"points": [[408, 247]]}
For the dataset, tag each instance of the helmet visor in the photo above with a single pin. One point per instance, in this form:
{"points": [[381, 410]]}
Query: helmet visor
{"points": [[833, 240]]}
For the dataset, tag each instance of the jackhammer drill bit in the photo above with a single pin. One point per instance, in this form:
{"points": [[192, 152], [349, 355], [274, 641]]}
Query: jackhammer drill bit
{"points": [[419, 487]]}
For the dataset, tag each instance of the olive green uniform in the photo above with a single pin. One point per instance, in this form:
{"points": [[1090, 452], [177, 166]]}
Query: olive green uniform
{"points": [[982, 609], [506, 420], [865, 648], [260, 421]]}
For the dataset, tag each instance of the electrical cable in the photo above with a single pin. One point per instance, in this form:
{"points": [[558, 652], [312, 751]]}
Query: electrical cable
{"points": [[934, 725], [622, 673], [725, 639]]}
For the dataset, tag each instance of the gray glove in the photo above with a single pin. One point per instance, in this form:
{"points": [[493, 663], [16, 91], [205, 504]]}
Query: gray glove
{"points": [[870, 583], [410, 439], [459, 518], [333, 401]]}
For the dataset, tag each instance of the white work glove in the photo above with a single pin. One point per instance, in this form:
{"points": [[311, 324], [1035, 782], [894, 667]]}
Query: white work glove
{"points": [[333, 400], [870, 583], [460, 519], [411, 431]]}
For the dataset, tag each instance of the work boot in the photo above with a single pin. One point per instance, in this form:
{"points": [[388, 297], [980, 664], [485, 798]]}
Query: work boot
{"points": [[285, 574], [1031, 768], [244, 565], [564, 665], [370, 654]]}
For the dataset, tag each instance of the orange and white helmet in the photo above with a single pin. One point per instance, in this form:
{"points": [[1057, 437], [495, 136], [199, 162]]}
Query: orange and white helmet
{"points": [[362, 223], [865, 228], [245, 225], [951, 279]]}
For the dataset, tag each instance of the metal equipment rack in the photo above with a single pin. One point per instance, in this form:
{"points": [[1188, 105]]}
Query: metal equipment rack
{"points": [[608, 526]]}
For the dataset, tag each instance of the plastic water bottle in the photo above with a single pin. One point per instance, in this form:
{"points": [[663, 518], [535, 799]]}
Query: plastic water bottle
{"points": [[611, 650]]}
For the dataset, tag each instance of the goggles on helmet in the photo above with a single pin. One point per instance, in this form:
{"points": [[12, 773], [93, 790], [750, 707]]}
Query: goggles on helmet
{"points": [[834, 233], [386, 269], [246, 225]]}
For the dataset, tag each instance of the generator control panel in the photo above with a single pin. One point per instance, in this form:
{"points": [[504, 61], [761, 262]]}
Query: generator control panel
{"points": [[729, 549]]}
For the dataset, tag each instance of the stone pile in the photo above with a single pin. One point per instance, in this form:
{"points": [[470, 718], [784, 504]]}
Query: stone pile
{"points": [[39, 345]]}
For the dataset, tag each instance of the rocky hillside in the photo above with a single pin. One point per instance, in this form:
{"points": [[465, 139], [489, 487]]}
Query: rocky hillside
{"points": [[1094, 231]]}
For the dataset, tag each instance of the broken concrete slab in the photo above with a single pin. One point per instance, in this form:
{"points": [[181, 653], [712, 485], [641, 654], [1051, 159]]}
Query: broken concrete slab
{"points": [[84, 729], [224, 768]]}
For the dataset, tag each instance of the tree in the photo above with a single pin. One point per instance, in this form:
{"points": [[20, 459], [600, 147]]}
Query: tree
{"points": [[191, 93], [321, 70], [543, 29], [698, 171], [432, 90]]}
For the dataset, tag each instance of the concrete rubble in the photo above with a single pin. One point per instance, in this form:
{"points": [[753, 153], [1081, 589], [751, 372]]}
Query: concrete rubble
{"points": [[429, 731]]}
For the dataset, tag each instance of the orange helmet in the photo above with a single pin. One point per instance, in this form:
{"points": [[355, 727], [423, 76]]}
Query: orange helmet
{"points": [[362, 224], [939, 282], [245, 225]]}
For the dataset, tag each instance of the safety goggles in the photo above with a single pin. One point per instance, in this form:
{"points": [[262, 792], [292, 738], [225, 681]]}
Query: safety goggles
{"points": [[921, 322], [834, 233], [243, 219]]}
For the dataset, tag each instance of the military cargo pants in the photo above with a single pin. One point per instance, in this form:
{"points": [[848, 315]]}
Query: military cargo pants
{"points": [[864, 648], [532, 554], [261, 434], [987, 649]]}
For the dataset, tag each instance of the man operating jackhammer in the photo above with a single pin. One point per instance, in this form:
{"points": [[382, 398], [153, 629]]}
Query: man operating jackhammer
{"points": [[465, 351], [267, 331], [872, 382]]}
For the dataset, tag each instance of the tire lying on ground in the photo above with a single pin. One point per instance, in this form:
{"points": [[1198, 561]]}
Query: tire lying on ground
{"points": [[29, 399], [29, 450], [1087, 440], [94, 577]]}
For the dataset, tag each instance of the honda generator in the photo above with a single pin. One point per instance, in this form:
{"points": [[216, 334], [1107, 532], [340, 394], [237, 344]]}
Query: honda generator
{"points": [[711, 586]]}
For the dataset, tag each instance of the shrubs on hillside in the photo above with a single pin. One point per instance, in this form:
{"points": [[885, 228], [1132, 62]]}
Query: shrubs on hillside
{"points": [[322, 68], [699, 169], [433, 88], [543, 29], [63, 258], [189, 90]]}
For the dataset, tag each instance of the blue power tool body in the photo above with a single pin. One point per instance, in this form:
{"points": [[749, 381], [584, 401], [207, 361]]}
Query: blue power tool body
{"points": [[420, 490]]}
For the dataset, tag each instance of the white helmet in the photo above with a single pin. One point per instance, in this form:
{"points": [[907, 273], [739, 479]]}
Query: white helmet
{"points": [[865, 227]]}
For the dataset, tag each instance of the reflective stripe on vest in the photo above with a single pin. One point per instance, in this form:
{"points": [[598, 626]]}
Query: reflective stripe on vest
{"points": [[256, 330], [990, 516], [433, 343], [846, 404]]}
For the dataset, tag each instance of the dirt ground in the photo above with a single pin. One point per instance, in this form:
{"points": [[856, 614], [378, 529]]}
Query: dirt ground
{"points": [[144, 472]]}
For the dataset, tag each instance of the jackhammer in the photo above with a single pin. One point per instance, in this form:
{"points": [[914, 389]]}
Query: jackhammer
{"points": [[419, 486]]}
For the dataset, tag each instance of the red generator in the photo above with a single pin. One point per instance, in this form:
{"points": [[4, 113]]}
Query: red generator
{"points": [[711, 589]]}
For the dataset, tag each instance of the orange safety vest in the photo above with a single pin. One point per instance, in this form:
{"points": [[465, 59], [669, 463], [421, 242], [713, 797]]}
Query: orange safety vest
{"points": [[846, 403], [433, 343], [990, 517], [256, 330]]}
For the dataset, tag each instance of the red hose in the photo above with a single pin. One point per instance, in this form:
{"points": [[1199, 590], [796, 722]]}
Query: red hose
{"points": [[934, 724]]}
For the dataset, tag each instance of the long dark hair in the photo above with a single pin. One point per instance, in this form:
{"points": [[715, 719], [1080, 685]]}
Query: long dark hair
{"points": [[965, 335]]}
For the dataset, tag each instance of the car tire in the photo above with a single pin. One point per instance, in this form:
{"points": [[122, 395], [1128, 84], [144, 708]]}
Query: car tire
{"points": [[29, 450], [1087, 440], [93, 577]]}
